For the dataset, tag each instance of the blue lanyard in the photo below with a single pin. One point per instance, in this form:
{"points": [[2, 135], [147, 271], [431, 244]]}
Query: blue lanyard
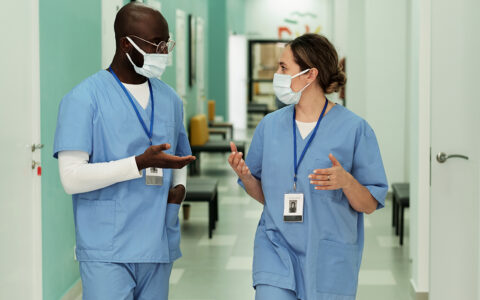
{"points": [[296, 165], [149, 133]]}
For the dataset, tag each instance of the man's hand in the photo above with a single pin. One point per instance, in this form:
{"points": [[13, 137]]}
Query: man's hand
{"points": [[155, 157], [176, 194]]}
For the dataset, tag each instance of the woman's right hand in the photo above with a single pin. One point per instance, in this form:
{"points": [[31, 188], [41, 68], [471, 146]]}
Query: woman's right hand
{"points": [[237, 163]]}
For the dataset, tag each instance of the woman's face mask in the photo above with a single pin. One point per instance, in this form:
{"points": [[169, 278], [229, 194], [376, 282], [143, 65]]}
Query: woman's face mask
{"points": [[154, 64], [282, 86]]}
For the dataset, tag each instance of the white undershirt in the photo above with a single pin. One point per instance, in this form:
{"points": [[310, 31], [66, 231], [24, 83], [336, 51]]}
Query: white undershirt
{"points": [[305, 128], [140, 92], [80, 176]]}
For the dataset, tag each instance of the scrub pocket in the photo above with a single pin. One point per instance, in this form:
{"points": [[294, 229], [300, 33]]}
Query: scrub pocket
{"points": [[269, 255], [173, 228], [95, 224], [337, 268], [165, 132]]}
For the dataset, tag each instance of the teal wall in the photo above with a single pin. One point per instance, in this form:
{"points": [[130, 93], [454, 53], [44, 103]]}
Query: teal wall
{"points": [[218, 55], [236, 16], [70, 50]]}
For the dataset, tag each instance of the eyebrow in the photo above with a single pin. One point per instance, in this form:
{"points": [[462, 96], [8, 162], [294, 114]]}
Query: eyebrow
{"points": [[281, 63]]}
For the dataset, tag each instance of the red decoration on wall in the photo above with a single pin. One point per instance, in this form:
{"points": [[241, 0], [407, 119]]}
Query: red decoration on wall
{"points": [[283, 29]]}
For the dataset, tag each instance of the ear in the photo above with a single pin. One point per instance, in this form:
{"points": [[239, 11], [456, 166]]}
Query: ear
{"points": [[312, 74], [125, 45]]}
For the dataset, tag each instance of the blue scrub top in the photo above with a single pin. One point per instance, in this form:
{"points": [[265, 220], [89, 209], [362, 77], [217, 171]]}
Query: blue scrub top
{"points": [[128, 221], [319, 258]]}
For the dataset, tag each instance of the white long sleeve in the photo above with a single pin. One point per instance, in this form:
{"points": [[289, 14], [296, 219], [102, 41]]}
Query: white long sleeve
{"points": [[80, 176]]}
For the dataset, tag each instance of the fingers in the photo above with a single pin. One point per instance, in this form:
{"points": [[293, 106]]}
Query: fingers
{"points": [[236, 161], [237, 158], [243, 168], [328, 171], [233, 147], [176, 162], [326, 188], [161, 147], [320, 177], [334, 160]]}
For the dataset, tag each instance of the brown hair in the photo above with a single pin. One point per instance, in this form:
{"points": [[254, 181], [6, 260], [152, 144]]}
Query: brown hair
{"points": [[315, 51]]}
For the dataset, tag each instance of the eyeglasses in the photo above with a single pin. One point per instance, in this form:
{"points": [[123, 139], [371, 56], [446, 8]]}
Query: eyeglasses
{"points": [[162, 47]]}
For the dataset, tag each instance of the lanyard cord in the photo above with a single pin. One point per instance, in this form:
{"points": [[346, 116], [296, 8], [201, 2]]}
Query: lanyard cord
{"points": [[295, 164], [148, 133]]}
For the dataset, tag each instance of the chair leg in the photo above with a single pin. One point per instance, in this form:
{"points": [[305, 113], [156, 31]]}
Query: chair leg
{"points": [[216, 206], [397, 218], [210, 219], [402, 210], [394, 211]]}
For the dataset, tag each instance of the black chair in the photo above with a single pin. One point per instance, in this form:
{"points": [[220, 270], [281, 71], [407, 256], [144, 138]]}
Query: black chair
{"points": [[204, 189], [400, 200]]}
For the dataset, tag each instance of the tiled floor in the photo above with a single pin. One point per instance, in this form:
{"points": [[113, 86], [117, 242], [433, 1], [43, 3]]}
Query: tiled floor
{"points": [[220, 268]]}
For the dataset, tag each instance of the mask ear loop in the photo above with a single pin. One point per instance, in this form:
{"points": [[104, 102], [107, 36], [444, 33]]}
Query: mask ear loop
{"points": [[135, 46], [301, 73]]}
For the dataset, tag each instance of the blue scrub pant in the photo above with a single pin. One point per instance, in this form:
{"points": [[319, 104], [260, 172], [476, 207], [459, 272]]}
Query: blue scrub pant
{"points": [[118, 281], [268, 292]]}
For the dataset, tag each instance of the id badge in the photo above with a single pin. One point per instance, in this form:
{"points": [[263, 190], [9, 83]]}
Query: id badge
{"points": [[293, 207], [154, 176]]}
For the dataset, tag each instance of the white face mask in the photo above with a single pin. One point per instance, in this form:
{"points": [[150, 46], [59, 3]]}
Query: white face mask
{"points": [[154, 64], [282, 86]]}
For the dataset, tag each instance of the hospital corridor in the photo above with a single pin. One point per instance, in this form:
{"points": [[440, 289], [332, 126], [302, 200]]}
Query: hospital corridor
{"points": [[240, 150]]}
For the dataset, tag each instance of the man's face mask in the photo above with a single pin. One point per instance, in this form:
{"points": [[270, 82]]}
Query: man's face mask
{"points": [[154, 64]]}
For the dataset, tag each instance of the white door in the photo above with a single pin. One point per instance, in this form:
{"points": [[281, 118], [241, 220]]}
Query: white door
{"points": [[20, 205], [455, 122], [237, 81]]}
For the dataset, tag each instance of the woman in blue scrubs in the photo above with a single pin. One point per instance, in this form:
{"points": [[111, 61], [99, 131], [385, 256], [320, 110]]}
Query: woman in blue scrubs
{"points": [[317, 168]]}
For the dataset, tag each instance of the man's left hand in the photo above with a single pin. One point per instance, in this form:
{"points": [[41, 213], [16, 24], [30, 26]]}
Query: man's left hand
{"points": [[176, 194]]}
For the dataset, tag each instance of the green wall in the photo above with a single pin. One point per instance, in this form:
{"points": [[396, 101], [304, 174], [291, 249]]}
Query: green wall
{"points": [[218, 43], [70, 50]]}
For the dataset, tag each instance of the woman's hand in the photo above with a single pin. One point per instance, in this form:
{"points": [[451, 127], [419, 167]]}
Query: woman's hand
{"points": [[333, 178], [252, 185], [237, 163]]}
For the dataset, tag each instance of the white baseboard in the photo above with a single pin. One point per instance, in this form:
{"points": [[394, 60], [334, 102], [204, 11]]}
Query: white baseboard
{"points": [[75, 292], [417, 295]]}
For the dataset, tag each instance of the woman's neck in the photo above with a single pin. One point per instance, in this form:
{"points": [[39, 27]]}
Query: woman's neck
{"points": [[311, 105]]}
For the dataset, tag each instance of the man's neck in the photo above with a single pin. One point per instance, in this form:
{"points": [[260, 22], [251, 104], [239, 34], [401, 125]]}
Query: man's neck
{"points": [[125, 71]]}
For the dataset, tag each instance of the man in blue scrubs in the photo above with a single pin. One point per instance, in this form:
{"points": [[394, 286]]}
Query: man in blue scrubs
{"points": [[119, 135]]}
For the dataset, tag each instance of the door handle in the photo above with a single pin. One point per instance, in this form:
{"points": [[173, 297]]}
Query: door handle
{"points": [[442, 157], [36, 147]]}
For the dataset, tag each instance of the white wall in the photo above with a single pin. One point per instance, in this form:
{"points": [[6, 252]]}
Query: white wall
{"points": [[260, 24], [376, 69], [419, 136]]}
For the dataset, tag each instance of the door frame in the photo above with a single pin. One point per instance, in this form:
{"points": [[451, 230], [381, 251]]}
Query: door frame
{"points": [[424, 142], [36, 197]]}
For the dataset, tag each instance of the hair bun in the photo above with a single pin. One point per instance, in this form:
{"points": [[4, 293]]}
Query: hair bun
{"points": [[337, 81]]}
